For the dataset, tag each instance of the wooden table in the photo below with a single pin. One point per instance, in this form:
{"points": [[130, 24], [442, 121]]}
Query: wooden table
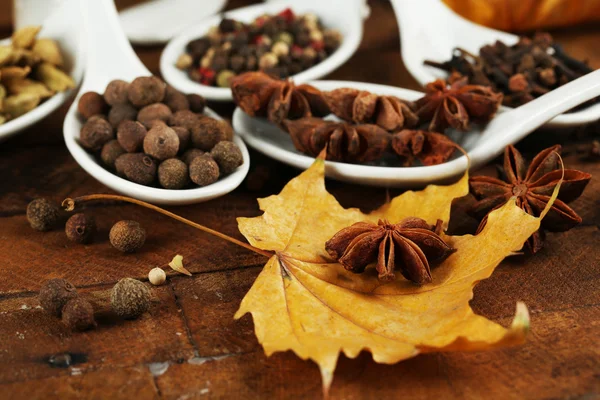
{"points": [[189, 346]]}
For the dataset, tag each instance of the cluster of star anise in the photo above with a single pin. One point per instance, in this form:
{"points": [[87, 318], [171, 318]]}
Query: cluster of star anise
{"points": [[533, 187], [372, 124]]}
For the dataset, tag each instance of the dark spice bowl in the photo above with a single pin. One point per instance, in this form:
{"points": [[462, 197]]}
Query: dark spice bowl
{"points": [[346, 16]]}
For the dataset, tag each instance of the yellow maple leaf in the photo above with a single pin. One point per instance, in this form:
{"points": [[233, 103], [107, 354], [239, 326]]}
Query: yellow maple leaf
{"points": [[304, 302]]}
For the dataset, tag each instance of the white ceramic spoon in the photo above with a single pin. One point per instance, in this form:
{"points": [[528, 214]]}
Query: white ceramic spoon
{"points": [[63, 25], [111, 57], [508, 127], [429, 30], [157, 21], [343, 15]]}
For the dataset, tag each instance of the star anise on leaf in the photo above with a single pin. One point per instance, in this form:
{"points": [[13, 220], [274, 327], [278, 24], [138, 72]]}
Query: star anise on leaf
{"points": [[345, 142], [361, 107], [408, 246], [260, 95], [533, 188], [456, 104], [428, 147]]}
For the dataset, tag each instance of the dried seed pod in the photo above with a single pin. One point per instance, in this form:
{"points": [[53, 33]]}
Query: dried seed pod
{"points": [[173, 174], [136, 167], [146, 90], [47, 50], [14, 72], [153, 112], [184, 61], [197, 103], [176, 100], [121, 112], [43, 214], [228, 156], [204, 170], [161, 142], [53, 77], [224, 78], [110, 152], [116, 92], [19, 86], [157, 276], [131, 135], [185, 118], [91, 103], [24, 38], [127, 236], [78, 315], [184, 137], [95, 133], [80, 228], [54, 294], [209, 132], [15, 106], [130, 298], [190, 154]]}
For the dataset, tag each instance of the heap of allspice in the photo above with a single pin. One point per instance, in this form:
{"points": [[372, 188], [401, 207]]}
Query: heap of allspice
{"points": [[152, 134], [31, 71]]}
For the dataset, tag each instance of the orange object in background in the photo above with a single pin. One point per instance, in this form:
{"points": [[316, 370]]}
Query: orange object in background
{"points": [[526, 15]]}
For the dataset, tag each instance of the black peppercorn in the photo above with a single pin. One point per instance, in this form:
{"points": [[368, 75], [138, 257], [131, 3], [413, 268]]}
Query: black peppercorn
{"points": [[43, 214], [54, 294], [197, 48], [127, 236], [80, 228], [95, 133]]}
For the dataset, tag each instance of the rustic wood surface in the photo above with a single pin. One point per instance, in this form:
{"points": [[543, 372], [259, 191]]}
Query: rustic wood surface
{"points": [[188, 345]]}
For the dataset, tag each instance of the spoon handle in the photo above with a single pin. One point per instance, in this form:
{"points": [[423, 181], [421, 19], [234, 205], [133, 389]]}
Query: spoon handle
{"points": [[511, 126], [109, 54]]}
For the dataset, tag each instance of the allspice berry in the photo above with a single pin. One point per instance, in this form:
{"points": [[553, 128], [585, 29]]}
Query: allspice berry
{"points": [[185, 118], [130, 298], [130, 135], [228, 155], [110, 152], [136, 167], [78, 314], [184, 137], [43, 214], [173, 174], [80, 228], [157, 276], [190, 154], [197, 103], [116, 92], [95, 133], [209, 132], [54, 294], [175, 100], [90, 104], [127, 236], [204, 170], [153, 112], [161, 142], [146, 90], [121, 112]]}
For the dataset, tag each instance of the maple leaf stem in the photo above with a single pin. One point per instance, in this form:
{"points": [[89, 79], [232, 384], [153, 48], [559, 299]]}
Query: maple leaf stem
{"points": [[70, 204]]}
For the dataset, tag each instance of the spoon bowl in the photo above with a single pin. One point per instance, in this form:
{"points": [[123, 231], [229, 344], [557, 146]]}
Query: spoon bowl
{"points": [[59, 26], [420, 24], [344, 15], [111, 57], [481, 143]]}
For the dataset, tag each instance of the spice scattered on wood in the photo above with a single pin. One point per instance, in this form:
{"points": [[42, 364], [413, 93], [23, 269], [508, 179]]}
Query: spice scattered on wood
{"points": [[43, 214], [157, 276], [127, 236], [130, 298], [80, 228], [78, 315], [177, 265], [54, 294]]}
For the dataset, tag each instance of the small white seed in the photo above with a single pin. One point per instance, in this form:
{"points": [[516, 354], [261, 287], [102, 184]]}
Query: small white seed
{"points": [[157, 276]]}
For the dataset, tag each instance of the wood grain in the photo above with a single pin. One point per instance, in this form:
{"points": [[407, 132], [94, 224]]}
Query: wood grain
{"points": [[188, 346]]}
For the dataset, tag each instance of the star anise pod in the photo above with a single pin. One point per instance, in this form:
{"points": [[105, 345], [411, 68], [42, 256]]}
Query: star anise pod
{"points": [[456, 104], [362, 107], [428, 147], [532, 187], [261, 95], [345, 142], [409, 246]]}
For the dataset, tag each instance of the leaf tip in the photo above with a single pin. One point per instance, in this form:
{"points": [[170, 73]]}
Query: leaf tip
{"points": [[326, 379], [521, 322]]}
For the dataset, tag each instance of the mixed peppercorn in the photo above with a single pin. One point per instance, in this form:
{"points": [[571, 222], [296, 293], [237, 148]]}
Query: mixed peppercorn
{"points": [[281, 45]]}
